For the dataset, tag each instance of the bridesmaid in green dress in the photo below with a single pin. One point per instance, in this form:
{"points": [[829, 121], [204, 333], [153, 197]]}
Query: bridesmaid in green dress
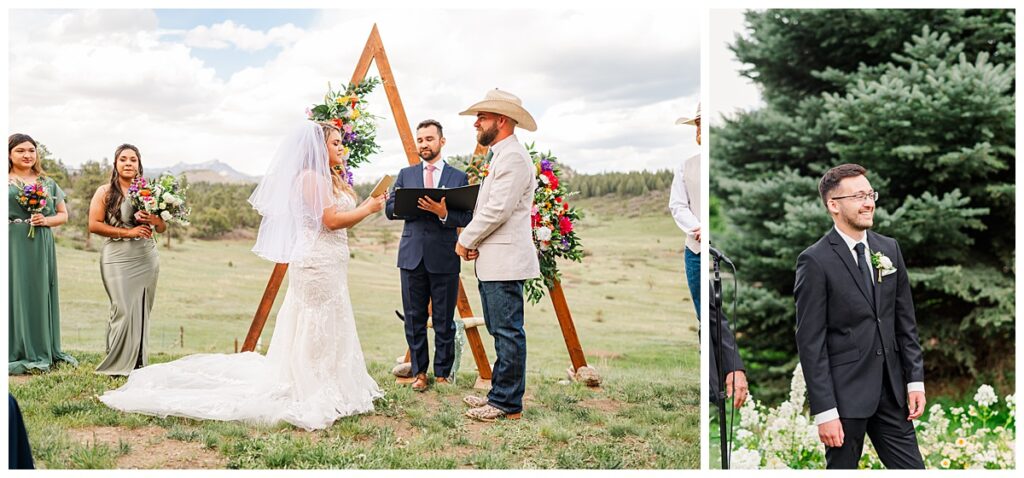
{"points": [[129, 264], [34, 305]]}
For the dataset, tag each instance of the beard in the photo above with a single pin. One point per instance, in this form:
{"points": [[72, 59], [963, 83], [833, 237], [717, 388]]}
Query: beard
{"points": [[859, 222], [428, 154], [486, 137]]}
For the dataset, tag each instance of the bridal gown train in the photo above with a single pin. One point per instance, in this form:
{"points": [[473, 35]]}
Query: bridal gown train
{"points": [[314, 371]]}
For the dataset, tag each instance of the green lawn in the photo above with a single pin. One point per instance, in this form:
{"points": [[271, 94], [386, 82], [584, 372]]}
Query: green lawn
{"points": [[629, 303]]}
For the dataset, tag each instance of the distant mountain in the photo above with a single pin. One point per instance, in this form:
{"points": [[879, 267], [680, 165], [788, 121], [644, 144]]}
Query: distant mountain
{"points": [[212, 171]]}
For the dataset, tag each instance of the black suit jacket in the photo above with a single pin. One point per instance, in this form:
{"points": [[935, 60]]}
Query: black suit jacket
{"points": [[730, 351], [427, 239], [842, 339]]}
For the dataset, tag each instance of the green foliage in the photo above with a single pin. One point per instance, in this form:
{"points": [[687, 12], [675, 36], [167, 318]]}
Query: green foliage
{"points": [[54, 167], [218, 209], [924, 99]]}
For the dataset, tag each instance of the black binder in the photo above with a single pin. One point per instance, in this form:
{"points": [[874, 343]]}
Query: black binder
{"points": [[456, 199]]}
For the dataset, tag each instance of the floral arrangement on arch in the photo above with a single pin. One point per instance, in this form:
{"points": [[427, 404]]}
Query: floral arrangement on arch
{"points": [[979, 435], [346, 109], [552, 218]]}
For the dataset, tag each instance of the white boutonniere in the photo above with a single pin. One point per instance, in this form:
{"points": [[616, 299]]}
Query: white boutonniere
{"points": [[882, 264]]}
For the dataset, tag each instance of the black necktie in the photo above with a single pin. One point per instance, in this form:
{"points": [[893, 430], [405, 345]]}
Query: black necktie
{"points": [[865, 273]]}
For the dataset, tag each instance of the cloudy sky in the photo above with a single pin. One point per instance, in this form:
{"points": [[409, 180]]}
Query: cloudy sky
{"points": [[729, 92], [605, 85]]}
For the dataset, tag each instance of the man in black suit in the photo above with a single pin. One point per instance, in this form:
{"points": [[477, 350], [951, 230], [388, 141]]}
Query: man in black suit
{"points": [[427, 260], [856, 332]]}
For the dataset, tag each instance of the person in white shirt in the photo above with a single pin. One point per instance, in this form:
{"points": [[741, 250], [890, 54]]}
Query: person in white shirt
{"points": [[684, 202]]}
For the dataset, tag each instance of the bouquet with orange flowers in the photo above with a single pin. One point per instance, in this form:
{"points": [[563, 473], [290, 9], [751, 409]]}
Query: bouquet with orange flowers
{"points": [[346, 109], [163, 196], [33, 198]]}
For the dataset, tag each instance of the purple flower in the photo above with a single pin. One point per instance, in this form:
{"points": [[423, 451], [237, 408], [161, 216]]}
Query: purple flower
{"points": [[545, 165]]}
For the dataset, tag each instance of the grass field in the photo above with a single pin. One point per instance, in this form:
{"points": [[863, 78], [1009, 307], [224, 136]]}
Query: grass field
{"points": [[629, 303]]}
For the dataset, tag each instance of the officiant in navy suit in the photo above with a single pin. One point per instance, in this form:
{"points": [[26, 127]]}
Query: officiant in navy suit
{"points": [[427, 260]]}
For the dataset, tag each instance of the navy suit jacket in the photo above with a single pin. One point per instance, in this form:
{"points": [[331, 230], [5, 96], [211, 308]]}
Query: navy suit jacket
{"points": [[427, 239]]}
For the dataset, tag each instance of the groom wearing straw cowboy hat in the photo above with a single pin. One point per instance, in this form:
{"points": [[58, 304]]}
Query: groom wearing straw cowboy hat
{"points": [[500, 240]]}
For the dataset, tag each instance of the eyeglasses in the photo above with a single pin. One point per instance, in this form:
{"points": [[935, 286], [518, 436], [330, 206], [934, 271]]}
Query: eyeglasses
{"points": [[862, 197]]}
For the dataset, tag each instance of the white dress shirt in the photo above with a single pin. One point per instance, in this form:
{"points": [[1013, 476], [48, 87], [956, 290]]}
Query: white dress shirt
{"points": [[679, 202], [832, 414]]}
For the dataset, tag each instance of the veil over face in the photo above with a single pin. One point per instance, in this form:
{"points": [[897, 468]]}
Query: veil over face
{"points": [[293, 195]]}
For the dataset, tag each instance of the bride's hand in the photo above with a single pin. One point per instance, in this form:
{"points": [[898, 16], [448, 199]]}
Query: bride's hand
{"points": [[374, 204]]}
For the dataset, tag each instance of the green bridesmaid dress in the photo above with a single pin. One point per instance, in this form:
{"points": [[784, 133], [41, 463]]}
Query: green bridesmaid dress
{"points": [[34, 305], [129, 268]]}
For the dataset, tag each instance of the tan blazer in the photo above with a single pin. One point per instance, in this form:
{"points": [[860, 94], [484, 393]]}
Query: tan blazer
{"points": [[500, 228]]}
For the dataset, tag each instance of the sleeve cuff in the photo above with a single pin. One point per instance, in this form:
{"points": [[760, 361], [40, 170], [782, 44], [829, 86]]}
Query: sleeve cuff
{"points": [[915, 387], [826, 416], [445, 218]]}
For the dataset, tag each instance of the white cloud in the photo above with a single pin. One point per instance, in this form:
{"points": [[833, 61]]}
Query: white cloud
{"points": [[229, 34], [604, 85]]}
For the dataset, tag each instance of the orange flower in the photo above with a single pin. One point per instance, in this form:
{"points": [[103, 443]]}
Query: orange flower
{"points": [[144, 192], [32, 201]]}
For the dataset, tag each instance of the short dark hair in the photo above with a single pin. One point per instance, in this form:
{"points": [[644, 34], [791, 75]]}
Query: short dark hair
{"points": [[430, 122], [830, 181]]}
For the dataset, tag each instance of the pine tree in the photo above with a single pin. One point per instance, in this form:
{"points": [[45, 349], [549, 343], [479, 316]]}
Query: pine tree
{"points": [[924, 99]]}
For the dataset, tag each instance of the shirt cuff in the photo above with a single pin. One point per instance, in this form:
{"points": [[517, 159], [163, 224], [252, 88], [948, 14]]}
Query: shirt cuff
{"points": [[915, 387], [826, 416], [445, 218]]}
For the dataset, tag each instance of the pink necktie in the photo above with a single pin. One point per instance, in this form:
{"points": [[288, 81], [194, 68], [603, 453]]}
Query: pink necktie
{"points": [[430, 176]]}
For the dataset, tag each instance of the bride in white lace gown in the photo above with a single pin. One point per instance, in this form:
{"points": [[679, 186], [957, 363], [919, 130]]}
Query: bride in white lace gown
{"points": [[314, 371]]}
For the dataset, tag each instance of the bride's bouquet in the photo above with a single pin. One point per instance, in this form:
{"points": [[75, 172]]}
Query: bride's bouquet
{"points": [[164, 196], [32, 198]]}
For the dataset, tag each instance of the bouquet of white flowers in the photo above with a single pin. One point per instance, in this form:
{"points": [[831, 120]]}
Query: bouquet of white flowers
{"points": [[164, 196]]}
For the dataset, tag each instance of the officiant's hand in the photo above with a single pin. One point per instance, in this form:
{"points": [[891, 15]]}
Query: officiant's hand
{"points": [[427, 204], [736, 387], [915, 403]]}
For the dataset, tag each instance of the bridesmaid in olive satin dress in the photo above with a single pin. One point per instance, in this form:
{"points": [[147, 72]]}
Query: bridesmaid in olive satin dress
{"points": [[129, 264]]}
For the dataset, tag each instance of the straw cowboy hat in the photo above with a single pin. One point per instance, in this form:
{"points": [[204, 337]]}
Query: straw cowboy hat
{"points": [[690, 121], [506, 104]]}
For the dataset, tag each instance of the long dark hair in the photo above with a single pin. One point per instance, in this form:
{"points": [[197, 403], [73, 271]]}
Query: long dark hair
{"points": [[114, 193], [16, 139]]}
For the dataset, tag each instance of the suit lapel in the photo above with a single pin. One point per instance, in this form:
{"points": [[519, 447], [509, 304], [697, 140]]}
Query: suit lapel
{"points": [[445, 173], [417, 182], [876, 247], [839, 247]]}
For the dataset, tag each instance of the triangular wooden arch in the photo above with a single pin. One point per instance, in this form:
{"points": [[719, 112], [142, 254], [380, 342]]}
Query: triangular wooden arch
{"points": [[374, 50]]}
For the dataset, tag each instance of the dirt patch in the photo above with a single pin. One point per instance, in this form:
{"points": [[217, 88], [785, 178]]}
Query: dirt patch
{"points": [[606, 405], [18, 379], [150, 448]]}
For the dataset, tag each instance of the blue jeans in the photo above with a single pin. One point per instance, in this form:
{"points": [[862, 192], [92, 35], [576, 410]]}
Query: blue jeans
{"points": [[693, 278], [503, 315]]}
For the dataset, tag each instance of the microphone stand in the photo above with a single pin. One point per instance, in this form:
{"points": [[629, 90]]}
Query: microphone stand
{"points": [[716, 341]]}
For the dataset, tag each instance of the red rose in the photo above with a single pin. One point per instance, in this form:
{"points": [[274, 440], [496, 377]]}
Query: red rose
{"points": [[565, 225]]}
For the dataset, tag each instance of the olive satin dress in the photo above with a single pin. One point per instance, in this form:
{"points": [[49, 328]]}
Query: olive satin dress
{"points": [[129, 269]]}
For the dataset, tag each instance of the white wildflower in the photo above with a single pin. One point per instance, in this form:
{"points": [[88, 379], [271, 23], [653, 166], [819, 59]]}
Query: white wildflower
{"points": [[744, 459], [986, 396]]}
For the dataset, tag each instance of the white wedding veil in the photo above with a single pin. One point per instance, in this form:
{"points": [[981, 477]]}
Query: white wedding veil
{"points": [[292, 196]]}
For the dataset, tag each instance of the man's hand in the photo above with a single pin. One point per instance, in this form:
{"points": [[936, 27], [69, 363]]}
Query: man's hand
{"points": [[831, 433], [915, 402], [740, 395], [696, 233], [439, 208]]}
